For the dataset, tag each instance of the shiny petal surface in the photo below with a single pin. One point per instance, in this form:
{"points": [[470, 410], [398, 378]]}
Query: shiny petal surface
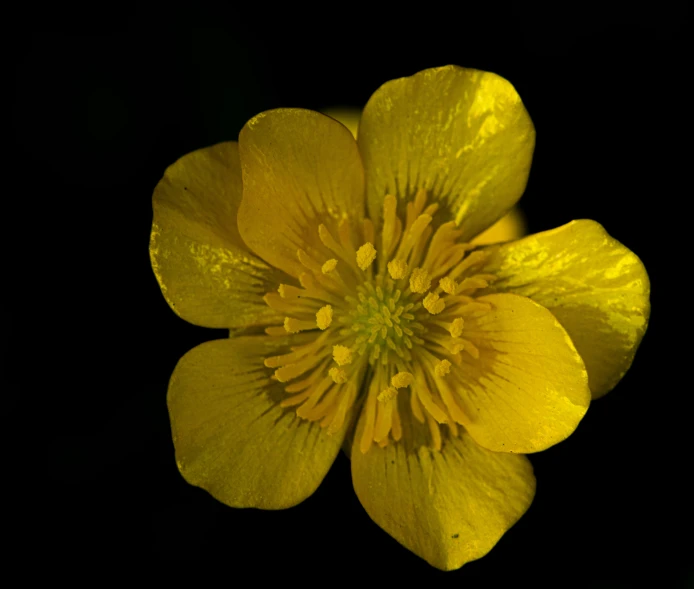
{"points": [[448, 507], [300, 169], [462, 134], [205, 271], [597, 289], [231, 436], [528, 389]]}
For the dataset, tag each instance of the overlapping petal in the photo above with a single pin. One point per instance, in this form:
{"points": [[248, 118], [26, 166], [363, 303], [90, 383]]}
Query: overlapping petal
{"points": [[300, 169], [511, 226], [528, 390], [462, 134], [448, 507], [231, 436], [205, 271], [597, 289]]}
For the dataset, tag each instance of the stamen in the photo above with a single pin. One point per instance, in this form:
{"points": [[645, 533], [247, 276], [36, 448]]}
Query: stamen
{"points": [[287, 291], [388, 236], [448, 285], [342, 355], [427, 398], [329, 266], [291, 371], [433, 303], [456, 327], [397, 269], [324, 317], [344, 231], [442, 368], [328, 240], [296, 354], [384, 417], [369, 230], [346, 402], [475, 282], [419, 280], [379, 325], [290, 306], [387, 394], [412, 236], [339, 375], [402, 380], [367, 436], [293, 325], [307, 261], [471, 349], [435, 431], [275, 330], [366, 254], [416, 407]]}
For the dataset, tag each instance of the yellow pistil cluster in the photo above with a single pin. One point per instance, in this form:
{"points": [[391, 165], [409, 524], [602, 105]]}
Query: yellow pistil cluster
{"points": [[392, 310]]}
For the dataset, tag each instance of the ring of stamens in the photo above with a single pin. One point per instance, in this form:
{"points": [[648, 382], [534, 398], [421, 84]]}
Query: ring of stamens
{"points": [[394, 308]]}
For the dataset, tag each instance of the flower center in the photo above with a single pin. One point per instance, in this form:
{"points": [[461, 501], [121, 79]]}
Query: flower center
{"points": [[383, 321], [395, 314]]}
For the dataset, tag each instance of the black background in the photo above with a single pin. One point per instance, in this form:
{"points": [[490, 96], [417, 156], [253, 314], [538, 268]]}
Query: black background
{"points": [[98, 114]]}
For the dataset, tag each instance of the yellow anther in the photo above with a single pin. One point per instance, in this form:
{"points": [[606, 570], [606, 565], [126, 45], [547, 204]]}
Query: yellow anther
{"points": [[287, 291], [292, 325], [433, 303], [342, 355], [366, 254], [456, 348], [456, 328], [442, 368], [387, 394], [329, 266], [448, 285], [338, 375], [402, 380], [324, 317], [397, 269], [419, 280]]}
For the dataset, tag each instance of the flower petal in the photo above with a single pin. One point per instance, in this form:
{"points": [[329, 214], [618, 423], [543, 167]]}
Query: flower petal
{"points": [[346, 115], [448, 507], [300, 169], [204, 269], [528, 389], [510, 226], [597, 289], [462, 134], [231, 436]]}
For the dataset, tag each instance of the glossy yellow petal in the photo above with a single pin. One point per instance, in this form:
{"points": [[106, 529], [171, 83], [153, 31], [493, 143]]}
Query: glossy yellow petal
{"points": [[300, 169], [349, 117], [205, 271], [528, 389], [511, 226], [231, 436], [448, 507], [597, 289], [462, 134]]}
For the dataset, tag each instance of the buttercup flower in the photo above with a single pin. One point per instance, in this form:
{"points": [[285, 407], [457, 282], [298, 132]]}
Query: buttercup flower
{"points": [[360, 313]]}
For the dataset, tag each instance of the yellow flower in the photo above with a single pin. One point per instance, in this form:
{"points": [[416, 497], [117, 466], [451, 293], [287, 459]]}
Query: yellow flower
{"points": [[361, 313]]}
